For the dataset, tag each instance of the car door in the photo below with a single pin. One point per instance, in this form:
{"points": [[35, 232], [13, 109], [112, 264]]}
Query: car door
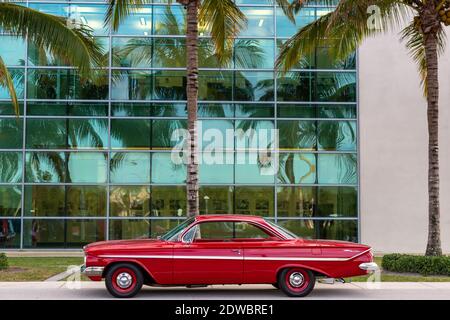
{"points": [[211, 256]]}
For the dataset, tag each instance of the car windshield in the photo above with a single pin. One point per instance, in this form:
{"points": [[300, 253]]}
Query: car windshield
{"points": [[287, 234], [172, 235]]}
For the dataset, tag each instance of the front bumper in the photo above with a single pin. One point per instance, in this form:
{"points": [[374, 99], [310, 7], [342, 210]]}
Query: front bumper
{"points": [[92, 271], [369, 266]]}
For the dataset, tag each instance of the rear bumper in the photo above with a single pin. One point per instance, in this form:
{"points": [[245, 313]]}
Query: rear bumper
{"points": [[92, 271], [369, 266]]}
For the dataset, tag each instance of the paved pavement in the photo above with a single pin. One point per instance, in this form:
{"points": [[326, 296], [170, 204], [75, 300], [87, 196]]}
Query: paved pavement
{"points": [[356, 290]]}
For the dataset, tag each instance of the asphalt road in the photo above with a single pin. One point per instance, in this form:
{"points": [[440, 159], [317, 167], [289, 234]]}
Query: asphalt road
{"points": [[96, 290]]}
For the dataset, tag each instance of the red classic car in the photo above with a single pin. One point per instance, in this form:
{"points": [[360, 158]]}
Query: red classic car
{"points": [[224, 249]]}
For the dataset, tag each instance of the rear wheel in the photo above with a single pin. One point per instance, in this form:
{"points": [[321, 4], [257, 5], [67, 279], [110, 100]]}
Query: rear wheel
{"points": [[124, 280], [296, 282]]}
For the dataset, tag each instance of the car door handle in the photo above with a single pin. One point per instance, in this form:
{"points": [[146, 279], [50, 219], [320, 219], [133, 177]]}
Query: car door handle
{"points": [[236, 251]]}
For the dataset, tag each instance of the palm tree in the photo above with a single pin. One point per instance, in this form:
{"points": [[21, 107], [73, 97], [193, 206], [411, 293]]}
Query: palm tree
{"points": [[223, 20], [345, 27], [64, 39]]}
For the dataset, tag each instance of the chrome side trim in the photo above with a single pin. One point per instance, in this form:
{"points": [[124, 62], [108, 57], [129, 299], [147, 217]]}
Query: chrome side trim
{"points": [[222, 258], [92, 271], [369, 266]]}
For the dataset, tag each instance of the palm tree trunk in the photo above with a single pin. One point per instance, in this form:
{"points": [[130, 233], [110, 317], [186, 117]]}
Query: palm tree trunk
{"points": [[430, 25], [192, 95]]}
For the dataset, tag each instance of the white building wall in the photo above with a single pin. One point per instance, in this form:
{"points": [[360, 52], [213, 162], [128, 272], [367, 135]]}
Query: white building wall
{"points": [[393, 148]]}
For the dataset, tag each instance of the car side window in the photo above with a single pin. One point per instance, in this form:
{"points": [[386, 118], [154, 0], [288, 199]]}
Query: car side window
{"points": [[226, 231], [244, 230]]}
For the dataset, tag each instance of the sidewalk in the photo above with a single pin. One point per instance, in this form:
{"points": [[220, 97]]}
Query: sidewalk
{"points": [[355, 290]]}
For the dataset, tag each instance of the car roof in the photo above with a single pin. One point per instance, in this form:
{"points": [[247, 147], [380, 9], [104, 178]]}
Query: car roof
{"points": [[229, 217]]}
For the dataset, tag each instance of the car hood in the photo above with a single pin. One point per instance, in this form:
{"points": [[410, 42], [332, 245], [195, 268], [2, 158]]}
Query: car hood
{"points": [[121, 244]]}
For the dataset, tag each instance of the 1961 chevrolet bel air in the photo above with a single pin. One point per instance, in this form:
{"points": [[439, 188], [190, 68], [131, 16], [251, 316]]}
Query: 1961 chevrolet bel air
{"points": [[224, 249]]}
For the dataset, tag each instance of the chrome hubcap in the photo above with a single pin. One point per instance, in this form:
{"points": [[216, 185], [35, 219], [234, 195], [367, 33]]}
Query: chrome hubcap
{"points": [[296, 279], [124, 280]]}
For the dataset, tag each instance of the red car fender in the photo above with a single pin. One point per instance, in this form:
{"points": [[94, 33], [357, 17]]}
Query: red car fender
{"points": [[109, 262], [299, 265]]}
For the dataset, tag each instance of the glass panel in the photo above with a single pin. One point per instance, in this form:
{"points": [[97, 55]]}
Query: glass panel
{"points": [[336, 87], [296, 201], [216, 200], [10, 167], [294, 86], [337, 168], [169, 110], [12, 51], [324, 60], [168, 201], [323, 229], [67, 109], [170, 85], [86, 201], [254, 200], [252, 168], [171, 53], [11, 131], [9, 233], [260, 22], [91, 16], [6, 108], [38, 56], [130, 229], [338, 202], [254, 54], [130, 167], [47, 133], [132, 52], [75, 201], [130, 201], [254, 86], [215, 85], [216, 135], [297, 168], [88, 133], [124, 109], [215, 110], [51, 233], [45, 167], [138, 22], [164, 134], [86, 167], [131, 85], [250, 110], [18, 76], [164, 170], [297, 135], [285, 28], [337, 111], [304, 62], [169, 20], [130, 134], [65, 84], [254, 134], [337, 135], [10, 201], [296, 111], [45, 201], [217, 167]]}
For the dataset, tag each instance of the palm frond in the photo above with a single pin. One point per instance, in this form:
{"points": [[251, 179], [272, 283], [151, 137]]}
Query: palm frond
{"points": [[7, 82], [224, 20], [118, 10], [342, 30], [415, 43], [67, 41]]}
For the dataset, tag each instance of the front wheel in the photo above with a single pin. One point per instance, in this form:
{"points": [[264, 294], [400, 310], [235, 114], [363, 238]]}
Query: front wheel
{"points": [[296, 282], [124, 280]]}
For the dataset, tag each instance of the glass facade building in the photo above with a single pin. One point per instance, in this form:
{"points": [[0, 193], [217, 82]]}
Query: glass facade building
{"points": [[91, 161]]}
